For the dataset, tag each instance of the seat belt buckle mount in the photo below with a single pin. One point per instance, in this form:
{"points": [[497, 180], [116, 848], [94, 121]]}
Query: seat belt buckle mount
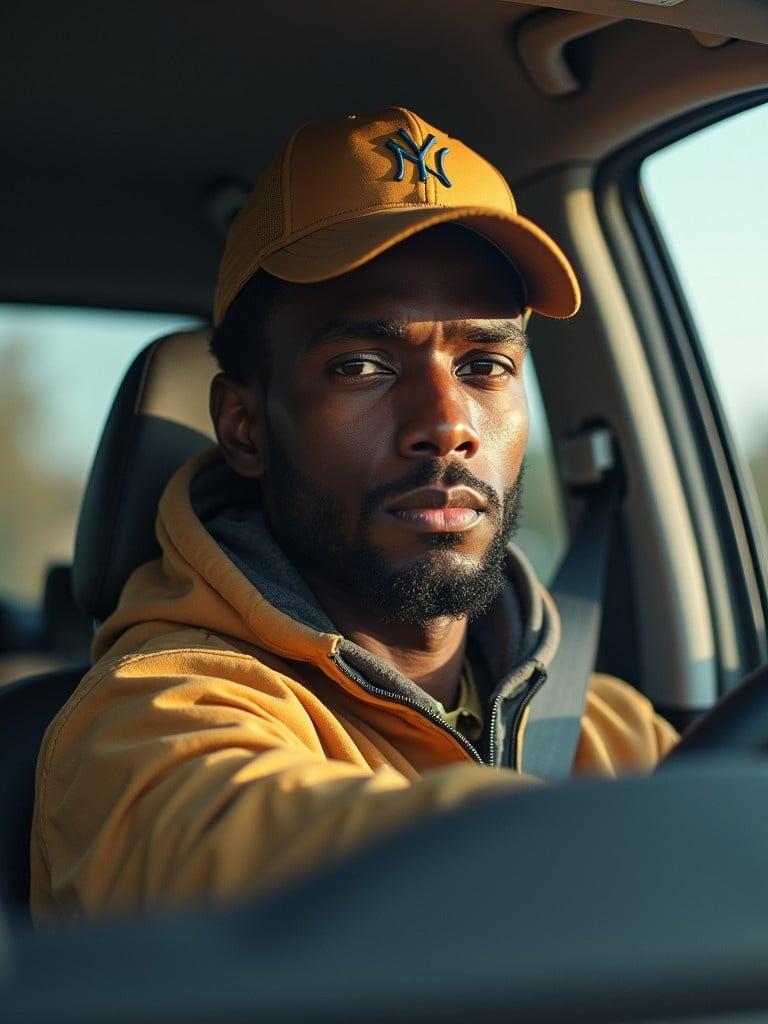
{"points": [[587, 457]]}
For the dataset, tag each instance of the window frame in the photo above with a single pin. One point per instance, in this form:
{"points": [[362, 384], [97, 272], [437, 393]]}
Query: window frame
{"points": [[730, 529]]}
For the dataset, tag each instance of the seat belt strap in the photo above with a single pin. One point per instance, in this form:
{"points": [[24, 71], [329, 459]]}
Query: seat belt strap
{"points": [[556, 710]]}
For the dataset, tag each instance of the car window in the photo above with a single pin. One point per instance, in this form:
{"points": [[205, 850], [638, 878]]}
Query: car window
{"points": [[59, 368], [542, 533], [709, 198]]}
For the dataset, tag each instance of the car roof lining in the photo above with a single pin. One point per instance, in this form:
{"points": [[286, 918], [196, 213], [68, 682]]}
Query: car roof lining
{"points": [[116, 124]]}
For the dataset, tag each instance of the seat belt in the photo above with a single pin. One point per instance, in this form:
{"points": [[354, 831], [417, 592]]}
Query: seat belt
{"points": [[556, 710]]}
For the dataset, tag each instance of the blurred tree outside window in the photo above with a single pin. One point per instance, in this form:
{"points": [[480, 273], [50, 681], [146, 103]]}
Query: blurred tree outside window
{"points": [[59, 368], [709, 197]]}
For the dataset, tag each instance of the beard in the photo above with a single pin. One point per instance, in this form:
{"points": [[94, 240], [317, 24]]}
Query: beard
{"points": [[417, 592]]}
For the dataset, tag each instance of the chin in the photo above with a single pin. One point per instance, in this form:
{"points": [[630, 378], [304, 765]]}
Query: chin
{"points": [[449, 557]]}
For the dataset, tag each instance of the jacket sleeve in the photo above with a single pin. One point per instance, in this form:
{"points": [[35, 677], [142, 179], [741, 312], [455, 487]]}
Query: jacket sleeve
{"points": [[177, 787], [620, 731]]}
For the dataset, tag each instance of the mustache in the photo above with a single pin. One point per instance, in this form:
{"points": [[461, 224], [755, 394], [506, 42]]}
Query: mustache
{"points": [[431, 473]]}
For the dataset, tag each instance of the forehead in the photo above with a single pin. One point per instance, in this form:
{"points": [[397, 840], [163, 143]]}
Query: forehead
{"points": [[444, 274]]}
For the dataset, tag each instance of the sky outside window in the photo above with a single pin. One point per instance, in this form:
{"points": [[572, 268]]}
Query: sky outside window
{"points": [[709, 195]]}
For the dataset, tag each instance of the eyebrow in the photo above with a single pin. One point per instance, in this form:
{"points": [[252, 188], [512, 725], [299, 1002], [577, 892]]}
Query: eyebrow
{"points": [[496, 332], [490, 332], [358, 330]]}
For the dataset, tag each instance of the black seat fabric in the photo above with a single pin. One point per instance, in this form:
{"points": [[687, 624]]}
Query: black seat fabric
{"points": [[68, 629], [26, 708], [159, 419]]}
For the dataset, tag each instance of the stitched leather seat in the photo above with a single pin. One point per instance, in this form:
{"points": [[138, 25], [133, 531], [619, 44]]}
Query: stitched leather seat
{"points": [[159, 419]]}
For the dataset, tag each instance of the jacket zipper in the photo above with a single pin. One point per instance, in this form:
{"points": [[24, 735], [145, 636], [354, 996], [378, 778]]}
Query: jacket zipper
{"points": [[538, 679], [397, 698], [492, 731]]}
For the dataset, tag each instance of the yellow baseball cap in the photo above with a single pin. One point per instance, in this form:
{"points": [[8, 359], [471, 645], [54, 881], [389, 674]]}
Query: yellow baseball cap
{"points": [[345, 190]]}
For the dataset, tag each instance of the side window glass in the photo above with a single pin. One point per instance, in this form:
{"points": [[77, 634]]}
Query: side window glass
{"points": [[59, 369], [709, 197], [543, 533]]}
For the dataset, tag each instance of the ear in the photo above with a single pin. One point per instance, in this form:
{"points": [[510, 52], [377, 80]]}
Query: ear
{"points": [[237, 411]]}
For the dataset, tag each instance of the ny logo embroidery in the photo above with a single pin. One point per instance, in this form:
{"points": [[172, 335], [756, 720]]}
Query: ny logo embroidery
{"points": [[419, 157]]}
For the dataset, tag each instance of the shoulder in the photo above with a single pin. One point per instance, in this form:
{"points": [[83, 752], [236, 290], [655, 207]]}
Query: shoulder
{"points": [[183, 654], [173, 682]]}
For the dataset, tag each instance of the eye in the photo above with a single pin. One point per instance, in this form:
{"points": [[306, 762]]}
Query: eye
{"points": [[360, 368], [486, 367]]}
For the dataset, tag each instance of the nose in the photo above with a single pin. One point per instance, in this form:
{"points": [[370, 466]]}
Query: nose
{"points": [[434, 418]]}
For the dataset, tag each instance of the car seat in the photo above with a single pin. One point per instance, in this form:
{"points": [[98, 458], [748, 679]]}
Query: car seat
{"points": [[159, 419]]}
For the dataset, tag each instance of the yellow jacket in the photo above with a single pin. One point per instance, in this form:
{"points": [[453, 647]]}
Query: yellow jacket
{"points": [[228, 739]]}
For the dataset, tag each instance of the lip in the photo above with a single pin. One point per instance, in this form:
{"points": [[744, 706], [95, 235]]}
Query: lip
{"points": [[441, 498], [437, 520], [438, 509]]}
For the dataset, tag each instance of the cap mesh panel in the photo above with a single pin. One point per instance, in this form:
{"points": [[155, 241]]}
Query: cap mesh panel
{"points": [[265, 218], [259, 224]]}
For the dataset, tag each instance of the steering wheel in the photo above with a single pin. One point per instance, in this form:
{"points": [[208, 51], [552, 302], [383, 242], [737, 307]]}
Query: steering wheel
{"points": [[738, 723]]}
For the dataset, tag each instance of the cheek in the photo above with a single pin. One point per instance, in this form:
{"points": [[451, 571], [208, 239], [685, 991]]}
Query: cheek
{"points": [[519, 427], [503, 437], [335, 445]]}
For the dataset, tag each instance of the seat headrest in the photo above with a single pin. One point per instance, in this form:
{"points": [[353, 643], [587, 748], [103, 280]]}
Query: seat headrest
{"points": [[159, 419]]}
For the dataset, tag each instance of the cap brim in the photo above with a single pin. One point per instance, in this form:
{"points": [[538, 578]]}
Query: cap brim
{"points": [[550, 282]]}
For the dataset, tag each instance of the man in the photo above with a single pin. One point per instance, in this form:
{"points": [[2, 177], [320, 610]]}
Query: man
{"points": [[338, 639]]}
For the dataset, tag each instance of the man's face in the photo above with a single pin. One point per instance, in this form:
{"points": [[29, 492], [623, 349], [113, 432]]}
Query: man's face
{"points": [[394, 426]]}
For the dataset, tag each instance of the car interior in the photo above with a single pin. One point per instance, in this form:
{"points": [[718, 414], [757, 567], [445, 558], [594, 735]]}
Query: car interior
{"points": [[132, 135]]}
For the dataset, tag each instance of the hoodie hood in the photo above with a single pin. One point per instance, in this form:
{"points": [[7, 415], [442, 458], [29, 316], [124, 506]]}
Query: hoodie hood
{"points": [[221, 571], [193, 585]]}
